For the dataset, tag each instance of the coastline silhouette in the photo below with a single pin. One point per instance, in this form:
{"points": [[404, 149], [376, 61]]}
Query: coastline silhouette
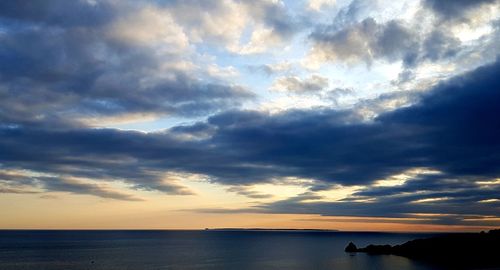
{"points": [[460, 251]]}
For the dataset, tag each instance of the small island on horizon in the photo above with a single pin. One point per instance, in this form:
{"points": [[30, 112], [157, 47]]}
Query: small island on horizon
{"points": [[459, 250]]}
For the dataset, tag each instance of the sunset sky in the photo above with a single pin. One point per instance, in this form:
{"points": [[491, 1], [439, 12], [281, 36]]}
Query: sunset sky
{"points": [[354, 115]]}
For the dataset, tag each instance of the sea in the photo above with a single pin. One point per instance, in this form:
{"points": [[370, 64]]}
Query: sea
{"points": [[204, 249]]}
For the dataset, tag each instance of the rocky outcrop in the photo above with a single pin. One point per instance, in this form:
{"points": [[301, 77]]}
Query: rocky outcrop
{"points": [[351, 247]]}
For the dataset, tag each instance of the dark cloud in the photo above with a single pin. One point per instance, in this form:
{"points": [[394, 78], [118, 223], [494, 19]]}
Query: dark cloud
{"points": [[444, 220], [419, 201], [440, 45], [100, 154], [455, 8], [453, 129], [23, 182], [275, 16], [444, 203], [65, 58], [79, 187], [58, 12]]}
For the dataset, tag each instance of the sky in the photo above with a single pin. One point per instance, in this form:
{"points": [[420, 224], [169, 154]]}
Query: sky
{"points": [[331, 114]]}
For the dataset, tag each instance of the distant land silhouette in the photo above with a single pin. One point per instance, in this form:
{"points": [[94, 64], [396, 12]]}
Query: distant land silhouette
{"points": [[266, 229], [459, 251]]}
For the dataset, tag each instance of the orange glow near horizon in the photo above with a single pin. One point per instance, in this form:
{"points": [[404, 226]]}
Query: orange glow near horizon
{"points": [[86, 212], [154, 210]]}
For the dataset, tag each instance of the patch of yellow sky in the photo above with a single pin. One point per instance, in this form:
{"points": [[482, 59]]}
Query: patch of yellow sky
{"points": [[69, 211]]}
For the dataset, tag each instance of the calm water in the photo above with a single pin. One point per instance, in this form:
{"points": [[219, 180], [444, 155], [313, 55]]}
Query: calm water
{"points": [[145, 250]]}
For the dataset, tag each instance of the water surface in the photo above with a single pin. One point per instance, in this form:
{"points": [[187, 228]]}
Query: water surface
{"points": [[148, 250]]}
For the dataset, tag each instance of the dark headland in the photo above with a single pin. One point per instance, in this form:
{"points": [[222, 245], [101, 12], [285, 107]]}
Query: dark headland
{"points": [[458, 251]]}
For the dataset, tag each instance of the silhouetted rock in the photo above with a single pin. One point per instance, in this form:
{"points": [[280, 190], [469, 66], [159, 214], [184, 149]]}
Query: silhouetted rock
{"points": [[460, 250], [351, 247], [377, 249], [495, 232]]}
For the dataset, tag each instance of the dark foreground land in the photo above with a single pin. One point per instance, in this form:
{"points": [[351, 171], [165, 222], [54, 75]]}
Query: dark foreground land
{"points": [[456, 251]]}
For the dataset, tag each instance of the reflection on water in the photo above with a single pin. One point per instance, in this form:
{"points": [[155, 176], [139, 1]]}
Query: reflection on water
{"points": [[240, 250]]}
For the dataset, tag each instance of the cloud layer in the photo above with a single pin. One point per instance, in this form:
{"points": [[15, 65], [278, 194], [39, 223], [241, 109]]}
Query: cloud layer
{"points": [[453, 130], [68, 67]]}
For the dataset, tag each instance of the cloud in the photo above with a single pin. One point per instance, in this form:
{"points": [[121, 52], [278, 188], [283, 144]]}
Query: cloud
{"points": [[295, 84], [452, 129], [273, 26], [16, 191], [366, 41], [268, 23], [79, 187], [423, 199], [99, 154], [271, 69], [338, 92], [433, 200], [455, 8], [245, 147], [102, 65], [440, 45], [413, 40], [313, 86], [333, 95], [246, 191], [161, 30], [60, 12], [48, 197], [29, 182], [206, 21], [317, 5], [355, 11], [275, 16]]}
